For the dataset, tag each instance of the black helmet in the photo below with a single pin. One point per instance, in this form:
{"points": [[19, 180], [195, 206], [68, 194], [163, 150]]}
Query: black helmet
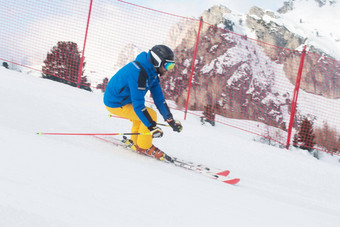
{"points": [[161, 54]]}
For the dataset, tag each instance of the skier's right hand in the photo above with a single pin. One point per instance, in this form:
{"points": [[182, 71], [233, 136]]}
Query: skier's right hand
{"points": [[155, 131], [175, 124]]}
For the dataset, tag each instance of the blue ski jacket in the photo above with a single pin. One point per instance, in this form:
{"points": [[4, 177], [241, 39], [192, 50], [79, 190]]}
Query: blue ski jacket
{"points": [[130, 85]]}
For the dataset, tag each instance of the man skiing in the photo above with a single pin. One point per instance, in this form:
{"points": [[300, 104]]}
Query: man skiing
{"points": [[125, 92]]}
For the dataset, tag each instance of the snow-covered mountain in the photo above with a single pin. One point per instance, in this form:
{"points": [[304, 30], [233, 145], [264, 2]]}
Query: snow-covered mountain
{"points": [[234, 75], [242, 76], [311, 22], [297, 23]]}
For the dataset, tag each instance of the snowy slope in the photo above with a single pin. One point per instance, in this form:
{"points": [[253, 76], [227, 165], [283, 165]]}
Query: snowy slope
{"points": [[82, 181]]}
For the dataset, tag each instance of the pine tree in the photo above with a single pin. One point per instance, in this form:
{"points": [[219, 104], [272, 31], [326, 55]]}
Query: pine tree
{"points": [[62, 65], [306, 136], [103, 85], [84, 84]]}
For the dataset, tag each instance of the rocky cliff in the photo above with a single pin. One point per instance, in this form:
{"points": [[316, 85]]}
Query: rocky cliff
{"points": [[231, 75], [237, 76]]}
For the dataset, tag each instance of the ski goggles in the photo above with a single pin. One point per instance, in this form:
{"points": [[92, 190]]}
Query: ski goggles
{"points": [[169, 65]]}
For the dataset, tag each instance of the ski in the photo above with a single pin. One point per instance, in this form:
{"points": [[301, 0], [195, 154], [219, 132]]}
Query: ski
{"points": [[217, 174], [213, 173]]}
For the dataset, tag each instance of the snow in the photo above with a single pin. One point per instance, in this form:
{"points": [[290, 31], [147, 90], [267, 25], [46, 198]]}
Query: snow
{"points": [[82, 181], [307, 19], [318, 24]]}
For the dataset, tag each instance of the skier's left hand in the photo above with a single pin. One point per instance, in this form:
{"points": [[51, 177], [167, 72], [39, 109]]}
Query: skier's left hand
{"points": [[155, 131], [175, 124]]}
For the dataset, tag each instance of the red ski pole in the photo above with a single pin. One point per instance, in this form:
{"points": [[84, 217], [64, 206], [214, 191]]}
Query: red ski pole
{"points": [[89, 134]]}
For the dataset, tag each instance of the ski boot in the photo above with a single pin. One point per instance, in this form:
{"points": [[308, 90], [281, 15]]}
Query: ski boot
{"points": [[152, 151], [128, 143], [155, 152]]}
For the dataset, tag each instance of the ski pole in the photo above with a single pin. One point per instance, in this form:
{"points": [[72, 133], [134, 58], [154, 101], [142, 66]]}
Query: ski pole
{"points": [[89, 134], [111, 115]]}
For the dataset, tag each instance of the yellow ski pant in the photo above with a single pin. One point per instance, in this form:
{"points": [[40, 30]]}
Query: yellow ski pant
{"points": [[127, 111]]}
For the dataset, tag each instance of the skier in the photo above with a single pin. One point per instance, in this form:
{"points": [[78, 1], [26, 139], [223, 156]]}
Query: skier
{"points": [[124, 97]]}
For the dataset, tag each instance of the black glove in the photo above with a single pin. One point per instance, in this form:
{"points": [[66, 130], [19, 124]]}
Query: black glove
{"points": [[175, 124], [155, 131]]}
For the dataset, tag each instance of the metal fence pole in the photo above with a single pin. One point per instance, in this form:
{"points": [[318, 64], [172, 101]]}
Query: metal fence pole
{"points": [[295, 97], [193, 67], [83, 52]]}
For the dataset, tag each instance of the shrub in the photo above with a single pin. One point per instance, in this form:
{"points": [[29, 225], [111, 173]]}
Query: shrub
{"points": [[103, 85], [327, 138], [305, 137], [5, 64]]}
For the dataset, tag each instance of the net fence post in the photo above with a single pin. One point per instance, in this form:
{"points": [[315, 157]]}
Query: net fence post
{"points": [[295, 97], [193, 68], [80, 72]]}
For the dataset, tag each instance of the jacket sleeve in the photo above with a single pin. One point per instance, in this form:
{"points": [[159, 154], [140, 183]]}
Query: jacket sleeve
{"points": [[158, 97], [138, 100]]}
